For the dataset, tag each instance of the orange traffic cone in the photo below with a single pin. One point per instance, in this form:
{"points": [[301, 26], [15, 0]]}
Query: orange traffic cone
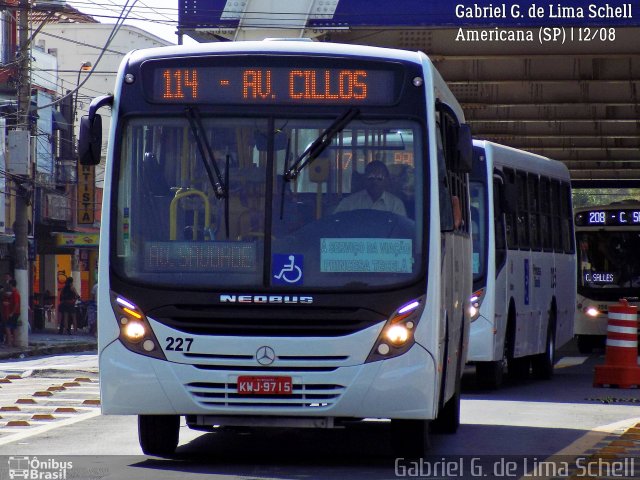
{"points": [[621, 362]]}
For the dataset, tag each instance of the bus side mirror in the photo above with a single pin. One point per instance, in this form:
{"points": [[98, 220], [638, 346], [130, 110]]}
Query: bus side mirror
{"points": [[90, 140], [465, 149]]}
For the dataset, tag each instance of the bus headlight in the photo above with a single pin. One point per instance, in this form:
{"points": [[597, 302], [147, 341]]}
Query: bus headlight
{"points": [[135, 332], [591, 311], [474, 304], [397, 335]]}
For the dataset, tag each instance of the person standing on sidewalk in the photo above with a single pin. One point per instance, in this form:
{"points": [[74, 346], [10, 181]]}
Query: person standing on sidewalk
{"points": [[5, 289], [67, 308], [12, 310]]}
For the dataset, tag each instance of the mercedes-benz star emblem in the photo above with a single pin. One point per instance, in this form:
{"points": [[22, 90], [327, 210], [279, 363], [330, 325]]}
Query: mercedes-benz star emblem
{"points": [[265, 355]]}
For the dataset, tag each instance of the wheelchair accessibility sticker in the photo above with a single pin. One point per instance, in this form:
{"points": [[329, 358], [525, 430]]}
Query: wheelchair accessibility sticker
{"points": [[287, 269]]}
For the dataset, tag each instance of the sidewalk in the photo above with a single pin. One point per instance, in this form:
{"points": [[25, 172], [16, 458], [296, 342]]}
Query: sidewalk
{"points": [[48, 342]]}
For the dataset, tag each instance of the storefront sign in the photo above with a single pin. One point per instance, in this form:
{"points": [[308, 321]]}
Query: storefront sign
{"points": [[86, 194], [77, 239]]}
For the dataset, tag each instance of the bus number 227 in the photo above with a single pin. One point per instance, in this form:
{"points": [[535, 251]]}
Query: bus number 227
{"points": [[179, 344]]}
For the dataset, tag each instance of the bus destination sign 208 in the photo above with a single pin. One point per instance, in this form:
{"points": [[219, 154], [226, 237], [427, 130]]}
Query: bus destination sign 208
{"points": [[617, 217]]}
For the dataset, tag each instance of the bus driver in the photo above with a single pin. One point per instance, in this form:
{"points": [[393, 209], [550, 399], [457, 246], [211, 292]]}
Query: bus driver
{"points": [[375, 195]]}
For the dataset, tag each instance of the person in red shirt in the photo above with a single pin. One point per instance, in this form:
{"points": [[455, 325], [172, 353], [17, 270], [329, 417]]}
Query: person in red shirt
{"points": [[11, 311]]}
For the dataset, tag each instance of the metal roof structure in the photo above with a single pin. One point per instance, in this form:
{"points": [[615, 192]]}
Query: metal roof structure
{"points": [[560, 80]]}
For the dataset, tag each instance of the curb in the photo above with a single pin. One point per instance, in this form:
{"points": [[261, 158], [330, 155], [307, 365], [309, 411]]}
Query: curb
{"points": [[44, 349], [619, 444]]}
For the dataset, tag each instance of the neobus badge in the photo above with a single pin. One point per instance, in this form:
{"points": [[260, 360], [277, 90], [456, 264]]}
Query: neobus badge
{"points": [[225, 298]]}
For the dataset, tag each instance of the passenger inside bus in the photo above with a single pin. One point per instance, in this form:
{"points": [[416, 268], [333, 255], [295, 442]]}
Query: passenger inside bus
{"points": [[375, 195]]}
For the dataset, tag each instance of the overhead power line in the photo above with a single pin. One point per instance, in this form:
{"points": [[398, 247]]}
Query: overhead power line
{"points": [[126, 9]]}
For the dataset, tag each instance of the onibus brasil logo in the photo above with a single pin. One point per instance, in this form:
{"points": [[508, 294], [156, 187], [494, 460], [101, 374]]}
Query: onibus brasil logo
{"points": [[32, 468]]}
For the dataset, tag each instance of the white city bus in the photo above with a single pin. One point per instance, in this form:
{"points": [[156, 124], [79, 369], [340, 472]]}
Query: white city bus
{"points": [[233, 290], [608, 242], [523, 263]]}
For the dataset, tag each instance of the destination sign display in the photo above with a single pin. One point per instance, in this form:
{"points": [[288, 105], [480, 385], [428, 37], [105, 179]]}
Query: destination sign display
{"points": [[238, 257], [621, 217], [599, 277], [273, 85]]}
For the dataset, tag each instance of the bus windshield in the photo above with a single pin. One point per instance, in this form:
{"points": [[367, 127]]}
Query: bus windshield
{"points": [[478, 192], [608, 262], [221, 211]]}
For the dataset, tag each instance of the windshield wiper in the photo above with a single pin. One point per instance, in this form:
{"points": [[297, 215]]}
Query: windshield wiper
{"points": [[208, 159], [320, 144]]}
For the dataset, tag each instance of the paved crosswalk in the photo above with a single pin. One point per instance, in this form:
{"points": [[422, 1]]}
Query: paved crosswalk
{"points": [[34, 402]]}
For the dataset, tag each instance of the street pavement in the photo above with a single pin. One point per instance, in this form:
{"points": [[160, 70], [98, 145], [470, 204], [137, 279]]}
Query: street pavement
{"points": [[617, 442], [48, 342]]}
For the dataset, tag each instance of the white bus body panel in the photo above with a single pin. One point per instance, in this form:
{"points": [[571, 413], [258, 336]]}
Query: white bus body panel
{"points": [[589, 325]]}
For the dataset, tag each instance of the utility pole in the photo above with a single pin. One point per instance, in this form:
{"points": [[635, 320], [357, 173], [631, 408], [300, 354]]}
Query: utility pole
{"points": [[23, 182]]}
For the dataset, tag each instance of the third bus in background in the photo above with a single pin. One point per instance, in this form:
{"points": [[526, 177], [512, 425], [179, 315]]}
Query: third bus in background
{"points": [[608, 239]]}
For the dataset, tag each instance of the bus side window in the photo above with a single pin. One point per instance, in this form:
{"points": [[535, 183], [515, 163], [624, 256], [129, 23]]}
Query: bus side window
{"points": [[533, 196], [566, 219], [446, 208], [545, 214], [522, 214], [499, 224], [456, 180], [510, 192], [556, 216]]}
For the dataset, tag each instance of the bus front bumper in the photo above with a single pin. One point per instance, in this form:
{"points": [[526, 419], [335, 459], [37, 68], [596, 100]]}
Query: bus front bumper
{"points": [[401, 387], [482, 341]]}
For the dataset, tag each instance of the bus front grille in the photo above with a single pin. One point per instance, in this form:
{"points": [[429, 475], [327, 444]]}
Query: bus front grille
{"points": [[268, 321]]}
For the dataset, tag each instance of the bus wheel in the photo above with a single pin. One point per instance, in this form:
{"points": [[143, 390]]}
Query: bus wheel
{"points": [[490, 374], [410, 438], [542, 364], [448, 419], [158, 434]]}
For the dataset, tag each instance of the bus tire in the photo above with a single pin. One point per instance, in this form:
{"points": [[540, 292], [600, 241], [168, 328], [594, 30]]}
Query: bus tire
{"points": [[448, 419], [542, 364], [410, 438], [158, 434], [517, 368], [490, 375]]}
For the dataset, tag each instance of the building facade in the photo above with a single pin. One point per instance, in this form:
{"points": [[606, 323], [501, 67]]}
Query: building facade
{"points": [[68, 221]]}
